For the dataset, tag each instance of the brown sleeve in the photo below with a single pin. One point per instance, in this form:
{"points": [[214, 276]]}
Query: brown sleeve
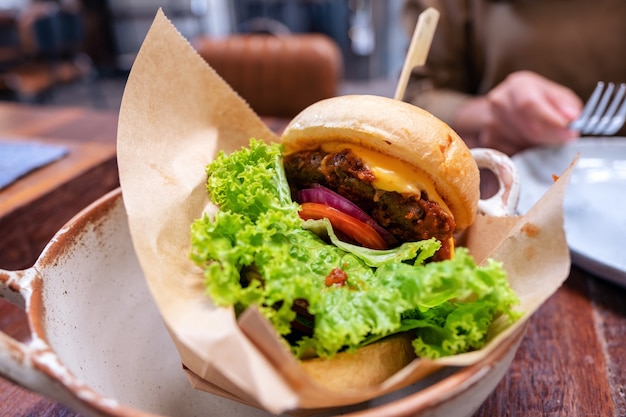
{"points": [[478, 43], [443, 84]]}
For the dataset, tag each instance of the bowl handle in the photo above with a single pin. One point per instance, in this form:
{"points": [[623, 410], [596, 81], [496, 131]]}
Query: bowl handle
{"points": [[19, 361], [504, 201]]}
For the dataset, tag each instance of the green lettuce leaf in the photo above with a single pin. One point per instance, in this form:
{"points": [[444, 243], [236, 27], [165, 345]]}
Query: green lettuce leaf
{"points": [[258, 235], [416, 251]]}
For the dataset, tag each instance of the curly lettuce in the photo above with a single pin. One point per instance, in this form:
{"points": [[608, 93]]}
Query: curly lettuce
{"points": [[257, 251]]}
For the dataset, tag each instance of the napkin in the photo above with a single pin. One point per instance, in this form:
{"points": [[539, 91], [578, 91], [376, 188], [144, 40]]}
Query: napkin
{"points": [[18, 158]]}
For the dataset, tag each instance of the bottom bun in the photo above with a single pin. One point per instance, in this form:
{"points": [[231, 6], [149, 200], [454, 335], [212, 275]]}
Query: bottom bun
{"points": [[366, 367]]}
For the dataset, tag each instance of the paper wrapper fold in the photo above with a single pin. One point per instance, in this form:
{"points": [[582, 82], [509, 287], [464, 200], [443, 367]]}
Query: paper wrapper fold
{"points": [[176, 114]]}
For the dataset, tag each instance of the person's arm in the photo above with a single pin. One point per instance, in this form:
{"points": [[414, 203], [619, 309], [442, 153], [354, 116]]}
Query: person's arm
{"points": [[523, 110]]}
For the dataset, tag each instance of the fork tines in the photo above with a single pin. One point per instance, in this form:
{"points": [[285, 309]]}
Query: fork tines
{"points": [[604, 112]]}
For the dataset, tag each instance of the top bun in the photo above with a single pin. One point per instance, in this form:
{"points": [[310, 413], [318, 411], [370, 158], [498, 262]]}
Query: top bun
{"points": [[400, 130]]}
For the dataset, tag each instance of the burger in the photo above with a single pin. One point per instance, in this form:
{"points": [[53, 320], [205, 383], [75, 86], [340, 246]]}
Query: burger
{"points": [[342, 235], [407, 169]]}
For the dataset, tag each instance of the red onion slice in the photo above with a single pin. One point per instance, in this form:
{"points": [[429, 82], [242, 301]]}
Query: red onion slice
{"points": [[320, 194]]}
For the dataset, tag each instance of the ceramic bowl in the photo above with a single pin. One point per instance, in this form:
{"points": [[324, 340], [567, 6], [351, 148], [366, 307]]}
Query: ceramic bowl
{"points": [[99, 346]]}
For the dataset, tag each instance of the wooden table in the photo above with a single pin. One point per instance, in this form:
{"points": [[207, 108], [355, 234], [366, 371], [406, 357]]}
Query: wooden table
{"points": [[59, 190], [570, 362]]}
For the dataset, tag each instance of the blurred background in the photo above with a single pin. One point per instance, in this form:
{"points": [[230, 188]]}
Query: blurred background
{"points": [[97, 41]]}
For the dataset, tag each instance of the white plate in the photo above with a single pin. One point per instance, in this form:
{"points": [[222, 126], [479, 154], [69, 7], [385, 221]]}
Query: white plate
{"points": [[595, 200]]}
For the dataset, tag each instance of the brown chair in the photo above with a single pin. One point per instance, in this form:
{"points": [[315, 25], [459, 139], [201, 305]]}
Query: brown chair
{"points": [[278, 75]]}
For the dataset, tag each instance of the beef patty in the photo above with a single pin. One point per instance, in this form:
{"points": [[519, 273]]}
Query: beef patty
{"points": [[407, 217]]}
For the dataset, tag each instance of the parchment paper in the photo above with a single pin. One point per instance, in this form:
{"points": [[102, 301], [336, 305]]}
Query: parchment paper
{"points": [[176, 114]]}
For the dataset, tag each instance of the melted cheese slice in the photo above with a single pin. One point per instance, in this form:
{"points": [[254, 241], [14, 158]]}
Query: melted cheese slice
{"points": [[392, 174]]}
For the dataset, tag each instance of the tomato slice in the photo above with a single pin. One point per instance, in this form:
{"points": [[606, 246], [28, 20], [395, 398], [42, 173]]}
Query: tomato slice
{"points": [[361, 232]]}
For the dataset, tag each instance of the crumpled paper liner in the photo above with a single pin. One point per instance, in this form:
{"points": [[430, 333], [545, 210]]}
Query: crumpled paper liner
{"points": [[176, 114]]}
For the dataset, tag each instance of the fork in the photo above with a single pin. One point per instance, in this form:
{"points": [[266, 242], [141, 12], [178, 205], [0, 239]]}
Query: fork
{"points": [[596, 119]]}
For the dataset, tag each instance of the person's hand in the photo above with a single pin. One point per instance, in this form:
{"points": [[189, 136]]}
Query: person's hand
{"points": [[524, 110]]}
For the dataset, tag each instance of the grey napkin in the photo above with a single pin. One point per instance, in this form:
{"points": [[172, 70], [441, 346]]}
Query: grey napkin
{"points": [[18, 158]]}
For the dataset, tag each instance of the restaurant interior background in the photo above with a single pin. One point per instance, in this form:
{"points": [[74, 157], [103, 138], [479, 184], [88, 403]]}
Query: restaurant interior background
{"points": [[368, 33]]}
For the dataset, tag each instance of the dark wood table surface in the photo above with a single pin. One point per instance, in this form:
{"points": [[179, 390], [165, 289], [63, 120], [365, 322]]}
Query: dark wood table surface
{"points": [[571, 361]]}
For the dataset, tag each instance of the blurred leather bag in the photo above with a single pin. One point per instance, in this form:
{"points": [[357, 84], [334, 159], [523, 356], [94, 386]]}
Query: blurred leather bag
{"points": [[278, 75]]}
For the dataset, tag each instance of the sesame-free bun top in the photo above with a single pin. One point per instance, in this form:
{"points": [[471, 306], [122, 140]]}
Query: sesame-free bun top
{"points": [[400, 130]]}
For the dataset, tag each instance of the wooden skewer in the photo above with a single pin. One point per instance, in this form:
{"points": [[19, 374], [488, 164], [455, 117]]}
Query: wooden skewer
{"points": [[418, 48]]}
